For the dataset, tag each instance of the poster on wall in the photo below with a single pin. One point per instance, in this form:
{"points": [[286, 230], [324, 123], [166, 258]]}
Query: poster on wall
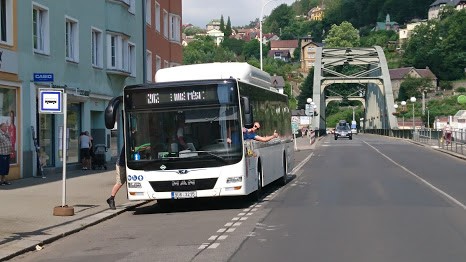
{"points": [[8, 115]]}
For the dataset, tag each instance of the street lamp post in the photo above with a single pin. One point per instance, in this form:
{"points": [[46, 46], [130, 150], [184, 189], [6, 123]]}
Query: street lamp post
{"points": [[310, 107], [413, 100], [260, 29], [403, 106]]}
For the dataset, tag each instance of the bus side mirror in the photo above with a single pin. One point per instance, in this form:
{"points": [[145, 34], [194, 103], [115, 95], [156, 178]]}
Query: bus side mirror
{"points": [[111, 112], [247, 110]]}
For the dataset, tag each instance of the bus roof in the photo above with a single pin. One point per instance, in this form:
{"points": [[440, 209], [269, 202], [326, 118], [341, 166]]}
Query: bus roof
{"points": [[209, 71]]}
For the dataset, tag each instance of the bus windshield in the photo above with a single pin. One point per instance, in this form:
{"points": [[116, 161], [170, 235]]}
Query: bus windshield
{"points": [[191, 137]]}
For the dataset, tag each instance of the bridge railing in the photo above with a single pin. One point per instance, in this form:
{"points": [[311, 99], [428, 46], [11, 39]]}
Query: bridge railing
{"points": [[427, 136]]}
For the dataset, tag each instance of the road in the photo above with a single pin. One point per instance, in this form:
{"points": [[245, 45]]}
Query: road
{"points": [[368, 199]]}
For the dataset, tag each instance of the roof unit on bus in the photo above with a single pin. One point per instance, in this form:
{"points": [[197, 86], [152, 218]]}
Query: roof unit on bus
{"points": [[242, 71]]}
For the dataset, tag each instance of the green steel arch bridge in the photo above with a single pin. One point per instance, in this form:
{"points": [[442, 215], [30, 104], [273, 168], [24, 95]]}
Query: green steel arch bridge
{"points": [[369, 72]]}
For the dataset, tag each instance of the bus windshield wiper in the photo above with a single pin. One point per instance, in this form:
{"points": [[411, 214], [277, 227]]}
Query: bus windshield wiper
{"points": [[210, 154]]}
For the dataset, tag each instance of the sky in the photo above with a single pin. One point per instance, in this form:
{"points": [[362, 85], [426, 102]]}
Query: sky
{"points": [[241, 12]]}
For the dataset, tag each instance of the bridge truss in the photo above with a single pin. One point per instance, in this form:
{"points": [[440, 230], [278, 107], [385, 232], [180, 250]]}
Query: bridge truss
{"points": [[369, 72]]}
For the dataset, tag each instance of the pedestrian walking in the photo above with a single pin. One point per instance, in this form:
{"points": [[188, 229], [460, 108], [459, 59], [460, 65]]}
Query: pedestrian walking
{"points": [[447, 133], [120, 178], [5, 150]]}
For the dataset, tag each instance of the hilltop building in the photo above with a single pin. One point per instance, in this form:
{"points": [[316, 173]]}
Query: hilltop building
{"points": [[398, 75], [438, 5], [387, 25]]}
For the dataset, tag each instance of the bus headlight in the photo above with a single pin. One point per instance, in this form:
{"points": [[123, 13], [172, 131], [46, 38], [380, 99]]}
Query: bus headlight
{"points": [[134, 185], [236, 179]]}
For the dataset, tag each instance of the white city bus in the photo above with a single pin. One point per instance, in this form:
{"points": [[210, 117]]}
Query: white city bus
{"points": [[213, 102]]}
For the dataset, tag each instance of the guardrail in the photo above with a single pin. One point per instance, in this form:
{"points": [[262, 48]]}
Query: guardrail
{"points": [[427, 136]]}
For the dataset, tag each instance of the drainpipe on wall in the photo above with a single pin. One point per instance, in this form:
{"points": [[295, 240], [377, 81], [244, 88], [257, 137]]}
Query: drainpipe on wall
{"points": [[144, 64]]}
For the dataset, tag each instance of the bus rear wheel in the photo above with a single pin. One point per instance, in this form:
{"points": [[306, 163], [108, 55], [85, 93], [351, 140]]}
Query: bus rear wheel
{"points": [[283, 179], [256, 196]]}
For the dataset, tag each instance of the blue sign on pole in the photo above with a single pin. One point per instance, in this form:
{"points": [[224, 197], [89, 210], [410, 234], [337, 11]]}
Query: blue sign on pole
{"points": [[43, 77]]}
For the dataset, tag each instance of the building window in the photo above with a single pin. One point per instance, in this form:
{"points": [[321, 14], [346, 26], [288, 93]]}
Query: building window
{"points": [[121, 54], [132, 59], [131, 5], [148, 66], [148, 12], [165, 64], [175, 28], [165, 23], [40, 29], [157, 17], [6, 22], [158, 63], [97, 48], [71, 40]]}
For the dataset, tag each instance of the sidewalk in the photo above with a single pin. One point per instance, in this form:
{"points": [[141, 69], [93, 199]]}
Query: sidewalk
{"points": [[27, 219]]}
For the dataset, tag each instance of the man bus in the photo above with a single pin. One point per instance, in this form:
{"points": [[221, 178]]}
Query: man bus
{"points": [[203, 103]]}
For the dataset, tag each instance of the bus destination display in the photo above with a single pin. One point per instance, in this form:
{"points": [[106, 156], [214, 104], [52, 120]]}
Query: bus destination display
{"points": [[167, 96]]}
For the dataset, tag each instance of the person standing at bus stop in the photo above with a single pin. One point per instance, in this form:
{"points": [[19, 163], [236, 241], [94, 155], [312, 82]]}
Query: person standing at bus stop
{"points": [[120, 178], [5, 151], [250, 133]]}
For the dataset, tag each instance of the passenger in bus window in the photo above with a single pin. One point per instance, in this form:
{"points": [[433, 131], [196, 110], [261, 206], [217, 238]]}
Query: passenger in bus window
{"points": [[251, 134], [180, 132]]}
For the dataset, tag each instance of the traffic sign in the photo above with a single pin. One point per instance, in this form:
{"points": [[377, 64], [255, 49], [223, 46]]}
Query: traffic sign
{"points": [[308, 109], [50, 101]]}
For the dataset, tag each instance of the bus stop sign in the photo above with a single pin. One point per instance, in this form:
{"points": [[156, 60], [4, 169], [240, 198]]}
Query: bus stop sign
{"points": [[50, 101]]}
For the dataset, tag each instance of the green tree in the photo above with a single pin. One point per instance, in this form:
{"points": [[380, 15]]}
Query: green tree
{"points": [[343, 35], [193, 30], [204, 50], [306, 90], [412, 86], [440, 45], [222, 24], [228, 30], [381, 38], [251, 49], [233, 44], [280, 17]]}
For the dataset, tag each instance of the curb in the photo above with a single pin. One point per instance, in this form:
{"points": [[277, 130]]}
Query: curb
{"points": [[34, 243]]}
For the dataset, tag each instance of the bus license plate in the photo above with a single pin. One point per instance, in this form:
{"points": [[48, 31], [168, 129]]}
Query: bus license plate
{"points": [[189, 194]]}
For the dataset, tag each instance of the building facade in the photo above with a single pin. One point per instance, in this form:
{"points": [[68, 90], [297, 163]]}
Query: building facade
{"points": [[163, 34], [10, 84], [90, 49], [308, 54]]}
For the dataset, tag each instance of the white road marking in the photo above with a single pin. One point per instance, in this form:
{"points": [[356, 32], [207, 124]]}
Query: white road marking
{"points": [[222, 237], [213, 238], [296, 168], [221, 230], [214, 245], [421, 179]]}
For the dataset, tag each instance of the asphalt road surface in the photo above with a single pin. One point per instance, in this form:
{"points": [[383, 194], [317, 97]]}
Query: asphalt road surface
{"points": [[367, 199]]}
